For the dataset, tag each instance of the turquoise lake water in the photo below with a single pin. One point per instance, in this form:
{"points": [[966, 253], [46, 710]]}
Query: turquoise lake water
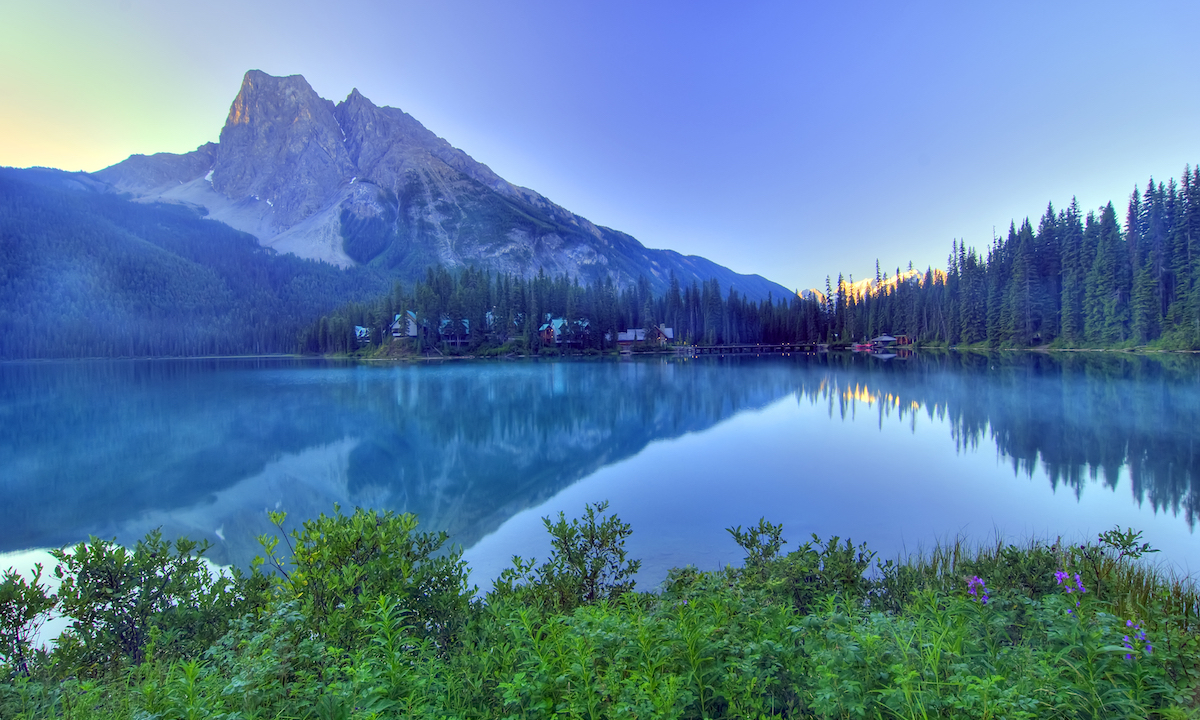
{"points": [[898, 453]]}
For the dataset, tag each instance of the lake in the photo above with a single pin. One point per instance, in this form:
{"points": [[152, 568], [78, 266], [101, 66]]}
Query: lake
{"points": [[897, 453]]}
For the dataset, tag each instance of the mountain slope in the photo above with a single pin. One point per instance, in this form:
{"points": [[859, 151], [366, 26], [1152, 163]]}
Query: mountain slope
{"points": [[86, 273], [357, 184]]}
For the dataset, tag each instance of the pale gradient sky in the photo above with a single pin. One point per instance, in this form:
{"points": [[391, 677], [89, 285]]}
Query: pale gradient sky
{"points": [[790, 139]]}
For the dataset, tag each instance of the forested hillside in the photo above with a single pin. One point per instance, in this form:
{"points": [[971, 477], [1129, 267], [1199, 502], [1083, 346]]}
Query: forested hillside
{"points": [[86, 273]]}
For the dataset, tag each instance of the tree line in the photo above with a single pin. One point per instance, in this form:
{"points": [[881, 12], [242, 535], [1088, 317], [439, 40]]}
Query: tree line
{"points": [[1076, 280]]}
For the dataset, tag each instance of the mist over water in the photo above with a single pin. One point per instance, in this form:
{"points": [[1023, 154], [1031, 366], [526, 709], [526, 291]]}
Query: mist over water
{"points": [[897, 453]]}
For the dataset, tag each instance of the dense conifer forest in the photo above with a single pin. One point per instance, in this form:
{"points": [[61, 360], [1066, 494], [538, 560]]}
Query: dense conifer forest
{"points": [[1077, 280]]}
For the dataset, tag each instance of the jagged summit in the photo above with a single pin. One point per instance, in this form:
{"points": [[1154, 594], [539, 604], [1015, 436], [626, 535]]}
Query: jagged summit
{"points": [[358, 183], [281, 143]]}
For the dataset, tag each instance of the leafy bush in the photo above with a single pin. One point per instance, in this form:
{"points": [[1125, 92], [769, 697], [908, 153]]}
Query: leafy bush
{"points": [[24, 606], [121, 602], [271, 659], [810, 572], [762, 543], [588, 563], [340, 565]]}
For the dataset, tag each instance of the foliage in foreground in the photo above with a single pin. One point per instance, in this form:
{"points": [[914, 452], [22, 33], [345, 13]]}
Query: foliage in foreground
{"points": [[368, 617]]}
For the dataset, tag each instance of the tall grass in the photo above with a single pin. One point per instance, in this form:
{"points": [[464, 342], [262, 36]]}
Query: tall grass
{"points": [[1131, 585]]}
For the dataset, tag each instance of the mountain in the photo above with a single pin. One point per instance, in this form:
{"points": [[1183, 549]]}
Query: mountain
{"points": [[869, 287], [355, 184]]}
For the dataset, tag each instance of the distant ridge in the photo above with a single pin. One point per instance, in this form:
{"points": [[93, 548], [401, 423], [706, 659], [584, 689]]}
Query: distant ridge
{"points": [[356, 184]]}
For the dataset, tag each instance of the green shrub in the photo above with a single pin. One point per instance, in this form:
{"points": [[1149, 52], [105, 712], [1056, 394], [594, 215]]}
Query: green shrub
{"points": [[812, 571], [121, 601], [587, 564], [24, 606], [340, 565]]}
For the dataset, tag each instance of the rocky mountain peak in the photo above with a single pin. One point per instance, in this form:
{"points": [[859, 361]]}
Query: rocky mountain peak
{"points": [[263, 98], [282, 144], [368, 134]]}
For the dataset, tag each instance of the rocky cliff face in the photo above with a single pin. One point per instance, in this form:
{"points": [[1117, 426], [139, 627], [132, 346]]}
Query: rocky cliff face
{"points": [[356, 183], [281, 144]]}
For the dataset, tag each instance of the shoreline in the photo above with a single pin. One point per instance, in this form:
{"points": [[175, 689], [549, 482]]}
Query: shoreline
{"points": [[1043, 349]]}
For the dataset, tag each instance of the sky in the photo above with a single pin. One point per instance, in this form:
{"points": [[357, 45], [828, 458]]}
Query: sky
{"points": [[796, 140]]}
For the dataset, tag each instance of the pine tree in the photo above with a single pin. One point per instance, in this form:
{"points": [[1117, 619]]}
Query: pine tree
{"points": [[972, 300], [1071, 233], [1020, 301], [1145, 303], [1048, 278], [1093, 303], [1108, 281]]}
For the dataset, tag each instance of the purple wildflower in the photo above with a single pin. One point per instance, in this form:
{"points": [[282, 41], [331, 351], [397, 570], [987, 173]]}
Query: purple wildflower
{"points": [[977, 587], [1063, 578], [1139, 635]]}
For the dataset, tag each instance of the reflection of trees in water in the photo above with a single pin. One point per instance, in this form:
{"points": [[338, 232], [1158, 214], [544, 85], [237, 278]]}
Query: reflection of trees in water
{"points": [[466, 447], [1080, 416]]}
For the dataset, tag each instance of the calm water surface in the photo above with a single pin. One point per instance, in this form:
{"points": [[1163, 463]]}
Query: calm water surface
{"points": [[899, 454]]}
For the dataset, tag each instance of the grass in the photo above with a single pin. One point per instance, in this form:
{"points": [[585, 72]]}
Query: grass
{"points": [[1132, 586]]}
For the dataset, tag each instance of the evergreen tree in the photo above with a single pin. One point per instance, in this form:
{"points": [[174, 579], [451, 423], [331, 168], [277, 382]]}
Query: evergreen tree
{"points": [[1110, 279], [1018, 300], [1048, 285], [972, 299], [1145, 304], [1071, 232]]}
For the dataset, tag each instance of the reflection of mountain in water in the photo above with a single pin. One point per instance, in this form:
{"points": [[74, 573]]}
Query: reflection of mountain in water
{"points": [[202, 448], [87, 446], [1078, 415], [473, 447]]}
